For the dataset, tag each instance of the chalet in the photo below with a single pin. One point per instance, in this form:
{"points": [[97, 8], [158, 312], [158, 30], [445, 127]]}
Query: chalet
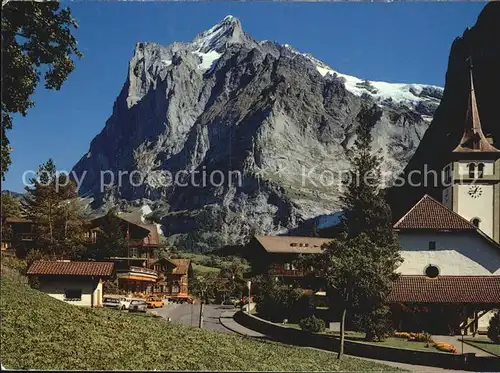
{"points": [[78, 283], [18, 235], [174, 275], [141, 271], [278, 255]]}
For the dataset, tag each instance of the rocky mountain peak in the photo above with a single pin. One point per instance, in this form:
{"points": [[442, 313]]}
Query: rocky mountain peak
{"points": [[223, 102], [219, 37]]}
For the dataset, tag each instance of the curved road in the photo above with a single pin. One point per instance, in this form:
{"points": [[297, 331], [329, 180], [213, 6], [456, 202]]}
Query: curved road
{"points": [[188, 314]]}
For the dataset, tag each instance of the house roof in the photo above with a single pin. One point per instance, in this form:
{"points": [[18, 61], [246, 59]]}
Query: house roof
{"points": [[292, 244], [446, 289], [181, 266], [430, 214], [64, 268], [153, 237]]}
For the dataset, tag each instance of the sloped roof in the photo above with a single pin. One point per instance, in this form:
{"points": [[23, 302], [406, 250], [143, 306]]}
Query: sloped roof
{"points": [[446, 289], [430, 214], [181, 266], [473, 139], [42, 267], [292, 244], [153, 237]]}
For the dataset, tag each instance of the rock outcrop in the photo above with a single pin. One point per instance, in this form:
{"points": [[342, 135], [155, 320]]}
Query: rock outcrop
{"points": [[273, 123]]}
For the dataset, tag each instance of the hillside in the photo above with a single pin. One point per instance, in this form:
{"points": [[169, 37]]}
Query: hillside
{"points": [[39, 332]]}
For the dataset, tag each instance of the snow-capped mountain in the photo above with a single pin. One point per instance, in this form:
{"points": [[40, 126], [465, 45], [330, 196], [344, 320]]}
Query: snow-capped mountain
{"points": [[225, 102]]}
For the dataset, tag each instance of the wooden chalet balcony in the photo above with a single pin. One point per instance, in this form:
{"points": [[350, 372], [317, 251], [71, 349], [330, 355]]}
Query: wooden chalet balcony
{"points": [[143, 270], [288, 272], [23, 236], [137, 273]]}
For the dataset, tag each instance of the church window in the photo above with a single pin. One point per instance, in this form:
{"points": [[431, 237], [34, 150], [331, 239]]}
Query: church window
{"points": [[447, 174], [432, 271], [480, 169], [476, 222], [472, 170], [432, 245]]}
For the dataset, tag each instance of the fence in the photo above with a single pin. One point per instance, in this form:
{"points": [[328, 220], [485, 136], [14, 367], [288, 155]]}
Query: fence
{"points": [[332, 343]]}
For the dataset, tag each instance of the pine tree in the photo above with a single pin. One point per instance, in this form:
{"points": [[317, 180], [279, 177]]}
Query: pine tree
{"points": [[51, 202], [359, 267], [365, 209]]}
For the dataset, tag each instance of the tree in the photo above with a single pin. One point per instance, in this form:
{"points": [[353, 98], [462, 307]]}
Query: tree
{"points": [[10, 206], [52, 203], [204, 287], [277, 301], [358, 276], [111, 240], [494, 328], [364, 206], [359, 267], [36, 36]]}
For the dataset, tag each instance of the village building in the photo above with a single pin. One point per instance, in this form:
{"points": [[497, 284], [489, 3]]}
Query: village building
{"points": [[278, 255], [451, 269], [78, 283], [141, 271], [450, 277], [17, 235]]}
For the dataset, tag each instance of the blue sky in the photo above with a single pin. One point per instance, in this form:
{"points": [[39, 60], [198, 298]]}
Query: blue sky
{"points": [[394, 42]]}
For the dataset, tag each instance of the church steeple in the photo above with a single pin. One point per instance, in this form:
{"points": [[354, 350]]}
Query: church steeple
{"points": [[473, 139]]}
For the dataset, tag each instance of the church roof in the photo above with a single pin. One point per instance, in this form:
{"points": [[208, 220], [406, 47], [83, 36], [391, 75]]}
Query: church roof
{"points": [[430, 214], [446, 289], [473, 139]]}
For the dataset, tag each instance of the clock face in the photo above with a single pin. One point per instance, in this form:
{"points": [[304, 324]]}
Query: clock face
{"points": [[475, 191]]}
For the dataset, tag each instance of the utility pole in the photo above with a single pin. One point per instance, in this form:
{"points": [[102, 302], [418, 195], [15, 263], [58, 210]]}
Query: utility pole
{"points": [[200, 324], [249, 284]]}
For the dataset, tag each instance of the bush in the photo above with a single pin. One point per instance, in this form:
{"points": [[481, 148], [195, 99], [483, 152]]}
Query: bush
{"points": [[494, 328], [376, 324], [312, 324]]}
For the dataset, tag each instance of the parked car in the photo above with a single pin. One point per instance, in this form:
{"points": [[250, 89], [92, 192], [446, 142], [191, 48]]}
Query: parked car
{"points": [[155, 302], [125, 303], [112, 303], [138, 306]]}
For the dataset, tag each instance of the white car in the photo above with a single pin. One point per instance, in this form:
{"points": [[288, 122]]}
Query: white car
{"points": [[125, 303], [111, 302]]}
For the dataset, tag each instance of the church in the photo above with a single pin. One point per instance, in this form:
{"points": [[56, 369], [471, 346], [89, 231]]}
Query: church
{"points": [[450, 276]]}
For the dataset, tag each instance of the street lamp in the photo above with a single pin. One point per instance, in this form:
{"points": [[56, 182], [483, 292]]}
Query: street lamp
{"points": [[249, 285]]}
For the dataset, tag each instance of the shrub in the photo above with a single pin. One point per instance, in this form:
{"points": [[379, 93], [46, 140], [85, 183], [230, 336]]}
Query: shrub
{"points": [[312, 324], [494, 328], [376, 324]]}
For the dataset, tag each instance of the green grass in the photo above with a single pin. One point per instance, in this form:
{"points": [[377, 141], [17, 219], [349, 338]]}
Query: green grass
{"points": [[485, 344], [198, 268], [403, 343], [39, 332]]}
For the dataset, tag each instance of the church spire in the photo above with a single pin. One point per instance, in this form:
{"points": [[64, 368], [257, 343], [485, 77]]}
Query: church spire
{"points": [[473, 139]]}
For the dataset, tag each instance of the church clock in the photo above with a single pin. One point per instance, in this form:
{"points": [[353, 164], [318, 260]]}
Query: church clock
{"points": [[475, 191]]}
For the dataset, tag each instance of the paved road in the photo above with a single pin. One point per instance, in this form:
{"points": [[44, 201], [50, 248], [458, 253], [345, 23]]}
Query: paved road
{"points": [[189, 314]]}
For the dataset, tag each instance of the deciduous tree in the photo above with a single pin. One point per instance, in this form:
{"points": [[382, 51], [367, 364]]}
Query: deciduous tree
{"points": [[36, 37]]}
